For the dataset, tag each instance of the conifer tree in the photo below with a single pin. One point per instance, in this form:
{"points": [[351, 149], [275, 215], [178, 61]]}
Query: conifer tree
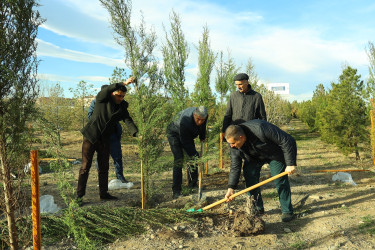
{"points": [[344, 121], [175, 54], [83, 94], [225, 72], [202, 95], [253, 76], [18, 93]]}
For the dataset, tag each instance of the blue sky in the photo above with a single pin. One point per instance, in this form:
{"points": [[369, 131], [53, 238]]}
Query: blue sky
{"points": [[303, 43]]}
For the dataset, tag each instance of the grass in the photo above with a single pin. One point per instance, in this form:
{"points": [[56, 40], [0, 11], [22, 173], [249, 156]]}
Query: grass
{"points": [[368, 225], [300, 244], [271, 195]]}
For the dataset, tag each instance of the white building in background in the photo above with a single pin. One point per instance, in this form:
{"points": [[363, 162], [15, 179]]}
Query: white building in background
{"points": [[279, 88]]}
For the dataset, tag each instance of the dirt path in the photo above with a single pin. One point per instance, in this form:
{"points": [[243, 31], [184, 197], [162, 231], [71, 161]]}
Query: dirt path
{"points": [[329, 214]]}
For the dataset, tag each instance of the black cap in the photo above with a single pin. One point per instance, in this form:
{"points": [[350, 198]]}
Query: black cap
{"points": [[123, 89], [241, 77], [104, 86]]}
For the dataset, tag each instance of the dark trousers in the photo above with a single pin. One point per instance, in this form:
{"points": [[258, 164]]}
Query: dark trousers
{"points": [[116, 154], [251, 172], [88, 149], [178, 154]]}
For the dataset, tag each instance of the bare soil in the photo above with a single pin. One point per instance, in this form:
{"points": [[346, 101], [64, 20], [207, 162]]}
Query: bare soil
{"points": [[329, 214]]}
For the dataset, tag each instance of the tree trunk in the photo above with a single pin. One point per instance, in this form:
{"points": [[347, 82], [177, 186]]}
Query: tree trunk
{"points": [[8, 197]]}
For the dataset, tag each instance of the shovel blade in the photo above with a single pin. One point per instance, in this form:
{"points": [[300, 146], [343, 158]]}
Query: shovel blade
{"points": [[193, 210]]}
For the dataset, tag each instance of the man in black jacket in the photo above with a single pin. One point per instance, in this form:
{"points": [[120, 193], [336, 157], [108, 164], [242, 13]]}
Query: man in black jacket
{"points": [[258, 141], [185, 126], [110, 108]]}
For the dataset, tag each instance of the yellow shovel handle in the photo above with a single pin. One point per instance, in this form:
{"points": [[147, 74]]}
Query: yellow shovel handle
{"points": [[246, 190]]}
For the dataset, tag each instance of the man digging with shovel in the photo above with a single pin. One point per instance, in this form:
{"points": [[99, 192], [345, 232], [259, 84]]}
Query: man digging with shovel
{"points": [[258, 142]]}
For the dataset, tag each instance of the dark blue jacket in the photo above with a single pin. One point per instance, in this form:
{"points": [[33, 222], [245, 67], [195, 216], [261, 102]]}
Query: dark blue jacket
{"points": [[183, 126], [106, 114], [264, 142]]}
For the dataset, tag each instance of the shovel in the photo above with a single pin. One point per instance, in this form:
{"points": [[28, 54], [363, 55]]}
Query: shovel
{"points": [[239, 193]]}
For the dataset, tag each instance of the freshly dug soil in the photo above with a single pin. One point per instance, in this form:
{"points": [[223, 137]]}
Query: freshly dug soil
{"points": [[246, 225]]}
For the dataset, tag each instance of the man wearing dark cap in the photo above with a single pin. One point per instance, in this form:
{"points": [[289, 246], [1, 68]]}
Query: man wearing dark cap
{"points": [[244, 104], [110, 108]]}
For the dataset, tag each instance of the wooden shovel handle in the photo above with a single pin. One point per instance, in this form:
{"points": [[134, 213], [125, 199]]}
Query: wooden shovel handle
{"points": [[245, 190]]}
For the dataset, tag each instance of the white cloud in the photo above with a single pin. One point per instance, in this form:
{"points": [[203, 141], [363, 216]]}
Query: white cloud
{"points": [[71, 79], [300, 51], [51, 50]]}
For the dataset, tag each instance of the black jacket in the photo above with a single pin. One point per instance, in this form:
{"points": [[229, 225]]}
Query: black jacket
{"points": [[105, 116], [264, 142], [243, 107], [183, 126]]}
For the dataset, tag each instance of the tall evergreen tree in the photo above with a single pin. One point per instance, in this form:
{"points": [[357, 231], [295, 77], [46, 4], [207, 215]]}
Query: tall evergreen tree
{"points": [[56, 109], [175, 54], [344, 121], [202, 94], [225, 72], [82, 94], [319, 101], [18, 92], [253, 76]]}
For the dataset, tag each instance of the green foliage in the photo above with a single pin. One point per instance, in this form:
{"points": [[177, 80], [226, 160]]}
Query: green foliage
{"points": [[278, 110], [118, 75], [225, 72], [105, 224], [368, 225], [253, 77], [300, 244], [175, 53], [19, 90], [202, 95], [82, 97], [56, 109], [311, 111], [344, 121]]}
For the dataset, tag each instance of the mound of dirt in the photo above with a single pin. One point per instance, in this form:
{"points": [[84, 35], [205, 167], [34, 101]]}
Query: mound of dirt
{"points": [[246, 225]]}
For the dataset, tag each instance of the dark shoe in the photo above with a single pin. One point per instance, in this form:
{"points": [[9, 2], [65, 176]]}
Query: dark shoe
{"points": [[287, 217], [123, 180], [177, 195], [193, 185], [260, 210], [107, 196], [256, 210]]}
